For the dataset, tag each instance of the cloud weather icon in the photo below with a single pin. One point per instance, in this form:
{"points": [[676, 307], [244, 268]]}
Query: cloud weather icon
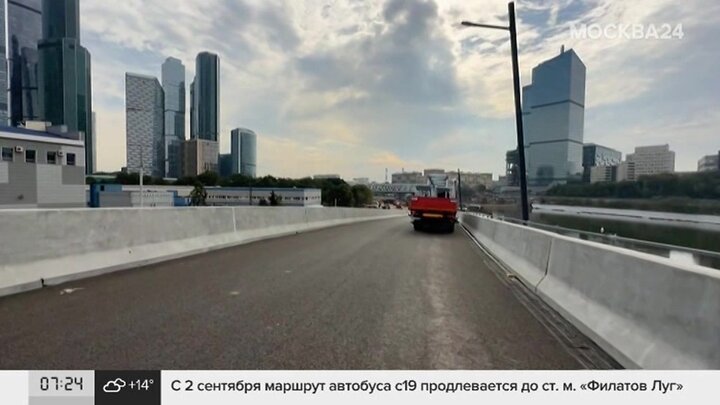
{"points": [[114, 386]]}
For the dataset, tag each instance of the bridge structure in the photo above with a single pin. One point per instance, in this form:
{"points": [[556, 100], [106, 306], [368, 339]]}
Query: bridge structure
{"points": [[337, 288]]}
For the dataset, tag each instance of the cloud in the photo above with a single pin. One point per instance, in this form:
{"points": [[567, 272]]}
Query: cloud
{"points": [[355, 87], [114, 386]]}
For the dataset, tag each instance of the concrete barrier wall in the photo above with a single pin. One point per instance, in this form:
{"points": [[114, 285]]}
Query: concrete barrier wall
{"points": [[48, 247], [644, 310], [526, 253]]}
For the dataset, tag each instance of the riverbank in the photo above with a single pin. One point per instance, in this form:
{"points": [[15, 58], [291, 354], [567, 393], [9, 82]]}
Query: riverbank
{"points": [[670, 205]]}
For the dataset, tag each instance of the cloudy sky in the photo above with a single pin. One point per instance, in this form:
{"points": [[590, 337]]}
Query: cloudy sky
{"points": [[356, 86]]}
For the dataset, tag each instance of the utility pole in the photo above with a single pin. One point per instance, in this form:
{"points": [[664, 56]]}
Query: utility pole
{"points": [[518, 114]]}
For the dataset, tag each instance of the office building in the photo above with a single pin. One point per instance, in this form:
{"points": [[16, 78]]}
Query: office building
{"points": [[470, 179], [145, 124], [626, 171], [243, 148], [4, 108], [709, 163], [206, 97], [602, 174], [651, 160], [24, 31], [193, 122], [199, 156], [173, 83], [41, 167], [597, 155], [327, 177], [432, 172], [554, 115], [408, 178], [64, 79], [512, 165], [225, 165], [93, 143]]}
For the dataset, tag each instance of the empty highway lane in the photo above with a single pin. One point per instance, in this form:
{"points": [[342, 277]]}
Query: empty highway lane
{"points": [[374, 295]]}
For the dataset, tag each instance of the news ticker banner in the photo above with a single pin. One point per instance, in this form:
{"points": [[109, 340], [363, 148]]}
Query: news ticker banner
{"points": [[354, 387]]}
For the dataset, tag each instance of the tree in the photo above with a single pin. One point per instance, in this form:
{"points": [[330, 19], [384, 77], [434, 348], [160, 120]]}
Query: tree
{"points": [[361, 195], [198, 196], [186, 181], [209, 179], [274, 199], [336, 192], [263, 202]]}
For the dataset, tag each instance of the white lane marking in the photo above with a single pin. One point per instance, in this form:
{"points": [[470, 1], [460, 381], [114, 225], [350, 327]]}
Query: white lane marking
{"points": [[70, 290]]}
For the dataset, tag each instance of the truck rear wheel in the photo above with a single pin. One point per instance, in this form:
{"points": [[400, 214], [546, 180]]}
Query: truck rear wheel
{"points": [[416, 226]]}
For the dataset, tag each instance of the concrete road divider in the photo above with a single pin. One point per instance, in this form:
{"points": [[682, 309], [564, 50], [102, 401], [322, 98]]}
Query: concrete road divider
{"points": [[644, 310], [48, 247], [524, 252]]}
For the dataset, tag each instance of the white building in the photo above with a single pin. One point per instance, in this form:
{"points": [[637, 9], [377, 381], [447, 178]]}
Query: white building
{"points": [[41, 169], [626, 171], [145, 124], [602, 174], [150, 199], [287, 197], [650, 160], [709, 163], [554, 118]]}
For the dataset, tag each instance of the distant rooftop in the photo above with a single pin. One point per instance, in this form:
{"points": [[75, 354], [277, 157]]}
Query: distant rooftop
{"points": [[32, 132]]}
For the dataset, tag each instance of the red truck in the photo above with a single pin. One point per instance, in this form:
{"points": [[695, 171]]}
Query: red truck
{"points": [[433, 212]]}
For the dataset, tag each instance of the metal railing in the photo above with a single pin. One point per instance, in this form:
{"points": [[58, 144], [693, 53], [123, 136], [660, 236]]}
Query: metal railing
{"points": [[701, 257]]}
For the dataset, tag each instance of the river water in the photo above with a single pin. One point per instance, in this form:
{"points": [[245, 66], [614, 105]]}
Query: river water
{"points": [[696, 232]]}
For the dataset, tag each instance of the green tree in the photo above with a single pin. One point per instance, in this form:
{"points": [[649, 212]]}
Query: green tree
{"points": [[198, 196], [361, 195], [209, 179], [274, 199], [336, 192]]}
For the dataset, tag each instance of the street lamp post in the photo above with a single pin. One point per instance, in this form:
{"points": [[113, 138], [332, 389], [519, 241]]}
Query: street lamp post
{"points": [[518, 106]]}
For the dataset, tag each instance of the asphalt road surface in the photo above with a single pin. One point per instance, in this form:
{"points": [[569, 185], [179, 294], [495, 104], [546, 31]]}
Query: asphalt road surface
{"points": [[374, 295]]}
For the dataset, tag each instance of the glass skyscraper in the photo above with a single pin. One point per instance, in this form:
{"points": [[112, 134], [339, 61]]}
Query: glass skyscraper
{"points": [[145, 124], [173, 83], [597, 155], [206, 97], [64, 78], [243, 151], [3, 68], [554, 116], [24, 30]]}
